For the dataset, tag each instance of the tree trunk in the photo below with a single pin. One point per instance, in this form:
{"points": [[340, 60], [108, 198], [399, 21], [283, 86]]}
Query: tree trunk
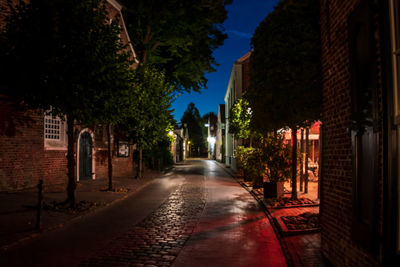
{"points": [[307, 156], [140, 162], [294, 162], [109, 157], [71, 162], [302, 160]]}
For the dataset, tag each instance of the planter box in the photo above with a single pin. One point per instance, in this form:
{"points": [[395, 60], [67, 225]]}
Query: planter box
{"points": [[273, 189]]}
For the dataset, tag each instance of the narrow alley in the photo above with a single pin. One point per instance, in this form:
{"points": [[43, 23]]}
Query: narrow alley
{"points": [[195, 216]]}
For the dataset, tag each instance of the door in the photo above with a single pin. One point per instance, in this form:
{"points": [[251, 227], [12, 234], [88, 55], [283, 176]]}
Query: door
{"points": [[85, 156], [364, 127]]}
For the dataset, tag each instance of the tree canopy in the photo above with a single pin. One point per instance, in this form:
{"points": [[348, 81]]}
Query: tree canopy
{"points": [[285, 78], [191, 117], [178, 37], [240, 118], [65, 55], [285, 71]]}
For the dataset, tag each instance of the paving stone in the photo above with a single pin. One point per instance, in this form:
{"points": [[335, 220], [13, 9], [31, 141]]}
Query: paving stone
{"points": [[158, 239]]}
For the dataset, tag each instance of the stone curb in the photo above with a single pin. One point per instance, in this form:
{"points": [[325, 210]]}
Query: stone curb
{"points": [[284, 247], [284, 231]]}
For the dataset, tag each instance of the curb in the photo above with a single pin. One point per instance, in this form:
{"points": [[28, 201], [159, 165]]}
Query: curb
{"points": [[284, 231], [285, 250]]}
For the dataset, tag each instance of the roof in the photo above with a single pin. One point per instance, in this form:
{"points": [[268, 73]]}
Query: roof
{"points": [[244, 57]]}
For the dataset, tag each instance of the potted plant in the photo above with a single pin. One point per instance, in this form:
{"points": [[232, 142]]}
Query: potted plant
{"points": [[276, 156], [242, 156], [255, 167]]}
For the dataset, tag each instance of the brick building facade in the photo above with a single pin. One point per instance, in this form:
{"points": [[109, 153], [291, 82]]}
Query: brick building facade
{"points": [[360, 178], [34, 144]]}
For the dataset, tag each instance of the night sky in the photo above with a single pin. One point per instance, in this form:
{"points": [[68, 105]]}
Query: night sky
{"points": [[243, 18]]}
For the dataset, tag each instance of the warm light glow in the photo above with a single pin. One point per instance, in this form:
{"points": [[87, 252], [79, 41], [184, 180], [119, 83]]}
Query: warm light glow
{"points": [[211, 140]]}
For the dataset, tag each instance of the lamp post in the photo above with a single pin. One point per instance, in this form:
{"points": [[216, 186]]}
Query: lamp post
{"points": [[210, 139]]}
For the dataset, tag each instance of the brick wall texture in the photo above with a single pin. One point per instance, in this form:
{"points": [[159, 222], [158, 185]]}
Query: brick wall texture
{"points": [[336, 188], [24, 159]]}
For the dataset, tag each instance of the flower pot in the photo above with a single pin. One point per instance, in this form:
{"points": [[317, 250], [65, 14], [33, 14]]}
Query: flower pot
{"points": [[273, 189]]}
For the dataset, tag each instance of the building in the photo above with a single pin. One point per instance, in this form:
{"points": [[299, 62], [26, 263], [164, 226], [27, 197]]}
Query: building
{"points": [[34, 145], [180, 144], [220, 142], [360, 195], [238, 84]]}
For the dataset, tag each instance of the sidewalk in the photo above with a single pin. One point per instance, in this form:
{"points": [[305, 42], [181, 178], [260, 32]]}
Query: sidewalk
{"points": [[18, 209], [301, 247]]}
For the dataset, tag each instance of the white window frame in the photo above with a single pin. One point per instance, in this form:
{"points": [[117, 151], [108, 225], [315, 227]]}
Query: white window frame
{"points": [[54, 132]]}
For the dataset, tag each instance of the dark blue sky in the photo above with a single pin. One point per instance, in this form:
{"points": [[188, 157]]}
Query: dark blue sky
{"points": [[243, 18]]}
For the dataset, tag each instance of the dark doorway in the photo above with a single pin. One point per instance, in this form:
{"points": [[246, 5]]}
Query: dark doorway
{"points": [[85, 156]]}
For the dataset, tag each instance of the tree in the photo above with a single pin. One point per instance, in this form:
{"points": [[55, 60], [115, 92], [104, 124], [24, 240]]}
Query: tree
{"points": [[60, 55], [191, 117], [114, 102], [149, 122], [178, 37], [240, 118], [285, 83]]}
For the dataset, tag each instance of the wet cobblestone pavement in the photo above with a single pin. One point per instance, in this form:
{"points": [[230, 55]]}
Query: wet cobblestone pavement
{"points": [[158, 239]]}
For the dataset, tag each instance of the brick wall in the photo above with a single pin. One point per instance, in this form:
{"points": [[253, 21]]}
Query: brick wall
{"points": [[23, 159], [336, 188]]}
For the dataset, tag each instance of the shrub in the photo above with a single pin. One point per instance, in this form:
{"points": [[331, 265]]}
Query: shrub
{"points": [[277, 158], [250, 160]]}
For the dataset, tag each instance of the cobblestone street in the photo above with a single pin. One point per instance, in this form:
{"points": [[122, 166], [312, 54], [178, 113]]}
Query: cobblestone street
{"points": [[196, 216], [158, 239]]}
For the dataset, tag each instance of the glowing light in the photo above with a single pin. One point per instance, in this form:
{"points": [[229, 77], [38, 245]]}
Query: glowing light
{"points": [[211, 140]]}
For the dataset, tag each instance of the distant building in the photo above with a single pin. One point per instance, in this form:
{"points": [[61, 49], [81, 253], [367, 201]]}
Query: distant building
{"points": [[220, 142], [238, 84]]}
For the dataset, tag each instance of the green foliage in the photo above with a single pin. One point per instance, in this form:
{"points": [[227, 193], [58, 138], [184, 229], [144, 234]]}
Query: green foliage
{"points": [[67, 56], [272, 158], [72, 59], [149, 120], [285, 83], [177, 36], [159, 156], [277, 158], [191, 117], [250, 159], [240, 117]]}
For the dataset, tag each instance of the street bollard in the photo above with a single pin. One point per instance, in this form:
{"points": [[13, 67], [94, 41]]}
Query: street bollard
{"points": [[39, 205]]}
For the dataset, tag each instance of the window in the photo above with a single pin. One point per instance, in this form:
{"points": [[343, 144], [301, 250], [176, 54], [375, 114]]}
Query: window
{"points": [[55, 136], [52, 128]]}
